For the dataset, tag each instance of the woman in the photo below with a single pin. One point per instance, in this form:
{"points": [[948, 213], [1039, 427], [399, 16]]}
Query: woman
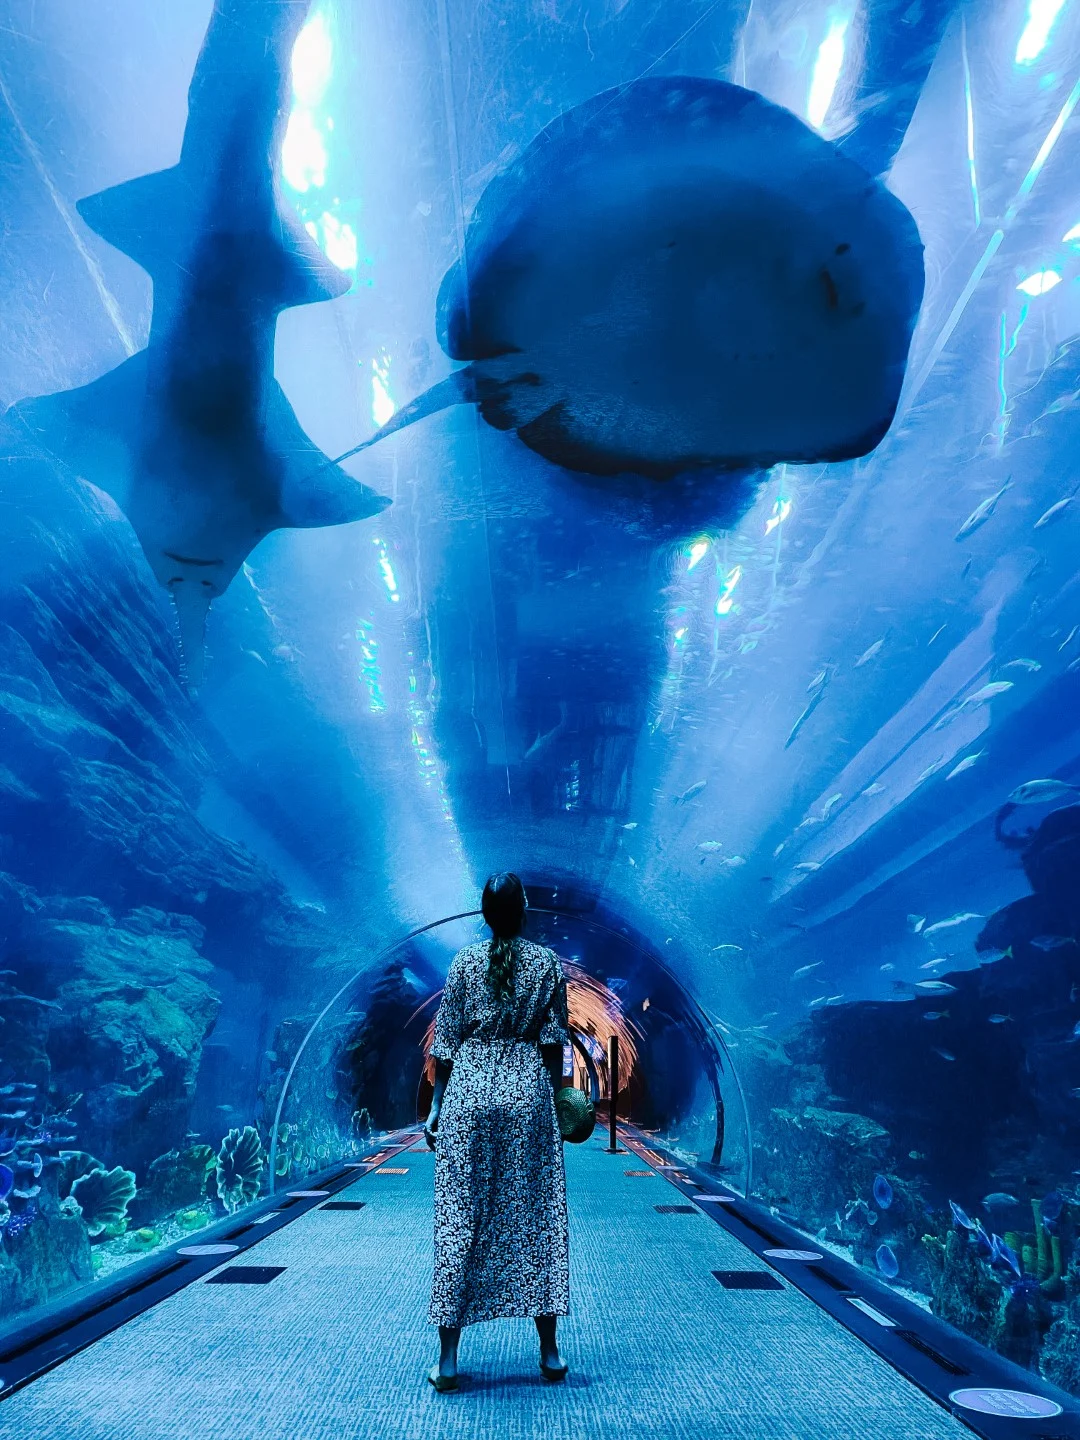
{"points": [[500, 1190]]}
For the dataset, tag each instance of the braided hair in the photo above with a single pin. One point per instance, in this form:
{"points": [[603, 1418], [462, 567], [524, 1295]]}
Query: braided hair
{"points": [[504, 905]]}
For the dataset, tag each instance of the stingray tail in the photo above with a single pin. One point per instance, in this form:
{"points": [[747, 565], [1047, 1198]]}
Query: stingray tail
{"points": [[457, 389]]}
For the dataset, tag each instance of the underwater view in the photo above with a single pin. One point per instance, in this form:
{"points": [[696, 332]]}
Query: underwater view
{"points": [[630, 443]]}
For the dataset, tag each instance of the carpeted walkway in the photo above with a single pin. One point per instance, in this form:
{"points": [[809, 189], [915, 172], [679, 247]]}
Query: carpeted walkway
{"points": [[338, 1345]]}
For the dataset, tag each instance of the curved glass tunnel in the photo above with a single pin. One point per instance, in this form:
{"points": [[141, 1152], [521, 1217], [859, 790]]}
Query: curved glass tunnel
{"points": [[779, 728]]}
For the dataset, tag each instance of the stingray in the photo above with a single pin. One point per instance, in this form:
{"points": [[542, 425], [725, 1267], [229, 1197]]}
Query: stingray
{"points": [[675, 276], [192, 437]]}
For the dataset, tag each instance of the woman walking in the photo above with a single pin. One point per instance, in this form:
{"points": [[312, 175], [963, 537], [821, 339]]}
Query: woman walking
{"points": [[500, 1190]]}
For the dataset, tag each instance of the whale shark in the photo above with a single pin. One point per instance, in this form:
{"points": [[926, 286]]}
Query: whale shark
{"points": [[678, 277], [192, 437]]}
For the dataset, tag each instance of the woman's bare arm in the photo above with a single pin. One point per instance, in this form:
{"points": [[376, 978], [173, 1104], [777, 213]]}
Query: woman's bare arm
{"points": [[442, 1075]]}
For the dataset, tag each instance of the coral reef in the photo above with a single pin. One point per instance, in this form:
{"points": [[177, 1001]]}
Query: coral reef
{"points": [[1060, 1358]]}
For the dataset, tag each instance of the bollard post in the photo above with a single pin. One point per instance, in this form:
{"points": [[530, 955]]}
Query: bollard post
{"points": [[613, 1088]]}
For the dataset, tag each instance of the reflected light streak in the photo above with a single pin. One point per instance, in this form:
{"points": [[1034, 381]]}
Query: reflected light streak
{"points": [[827, 68], [1036, 33], [970, 126]]}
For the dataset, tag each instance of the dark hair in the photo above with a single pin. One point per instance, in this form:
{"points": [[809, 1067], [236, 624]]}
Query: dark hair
{"points": [[504, 905]]}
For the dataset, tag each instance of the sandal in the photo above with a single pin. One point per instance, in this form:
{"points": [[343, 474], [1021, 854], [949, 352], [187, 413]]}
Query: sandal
{"points": [[442, 1383], [554, 1372]]}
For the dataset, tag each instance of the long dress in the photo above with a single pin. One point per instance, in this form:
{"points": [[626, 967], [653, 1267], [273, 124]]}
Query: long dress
{"points": [[501, 1245]]}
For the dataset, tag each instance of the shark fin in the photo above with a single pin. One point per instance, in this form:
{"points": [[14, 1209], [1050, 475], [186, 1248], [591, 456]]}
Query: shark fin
{"points": [[314, 491], [93, 430], [460, 388], [149, 218]]}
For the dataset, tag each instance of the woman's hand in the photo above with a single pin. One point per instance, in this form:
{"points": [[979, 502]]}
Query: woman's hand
{"points": [[431, 1127]]}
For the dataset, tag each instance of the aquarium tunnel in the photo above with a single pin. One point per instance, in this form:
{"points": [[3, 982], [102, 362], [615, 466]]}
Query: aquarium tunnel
{"points": [[633, 444]]}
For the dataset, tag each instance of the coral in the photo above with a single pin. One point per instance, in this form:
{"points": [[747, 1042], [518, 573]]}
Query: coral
{"points": [[1060, 1359], [175, 1181], [103, 1197], [819, 1155], [964, 1292], [144, 1239], [240, 1164]]}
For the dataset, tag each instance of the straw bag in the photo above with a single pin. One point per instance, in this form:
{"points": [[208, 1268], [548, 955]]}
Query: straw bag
{"points": [[576, 1114]]}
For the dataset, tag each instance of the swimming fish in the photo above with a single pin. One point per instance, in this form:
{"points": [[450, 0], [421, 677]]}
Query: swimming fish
{"points": [[916, 923], [806, 969], [998, 1019], [817, 689], [883, 1192], [935, 987], [875, 788], [808, 866], [887, 968], [932, 964], [960, 918], [1053, 513], [710, 847], [945, 1054], [691, 793], [1023, 663], [965, 764], [981, 513], [868, 655], [887, 1262], [935, 1014], [1004, 1252], [727, 946], [689, 218], [1047, 943], [999, 1200], [988, 692], [961, 1217], [630, 825], [193, 437], [1041, 792]]}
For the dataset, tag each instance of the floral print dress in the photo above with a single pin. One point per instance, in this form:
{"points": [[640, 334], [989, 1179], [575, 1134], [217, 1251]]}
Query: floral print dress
{"points": [[500, 1190]]}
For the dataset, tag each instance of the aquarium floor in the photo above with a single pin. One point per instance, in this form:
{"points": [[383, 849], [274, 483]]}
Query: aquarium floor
{"points": [[337, 1346]]}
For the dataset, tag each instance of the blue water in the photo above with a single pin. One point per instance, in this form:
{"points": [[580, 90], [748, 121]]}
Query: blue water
{"points": [[753, 729]]}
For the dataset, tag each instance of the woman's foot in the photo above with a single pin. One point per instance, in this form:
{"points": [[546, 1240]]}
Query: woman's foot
{"points": [[553, 1367], [552, 1364], [440, 1381]]}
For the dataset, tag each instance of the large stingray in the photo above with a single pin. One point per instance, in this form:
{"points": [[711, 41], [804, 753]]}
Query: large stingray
{"points": [[679, 274], [193, 437]]}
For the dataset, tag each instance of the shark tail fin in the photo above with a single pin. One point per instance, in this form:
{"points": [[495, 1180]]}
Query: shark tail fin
{"points": [[149, 218], [460, 388]]}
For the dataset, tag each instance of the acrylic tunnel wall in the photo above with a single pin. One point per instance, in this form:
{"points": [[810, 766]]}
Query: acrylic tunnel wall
{"points": [[729, 598]]}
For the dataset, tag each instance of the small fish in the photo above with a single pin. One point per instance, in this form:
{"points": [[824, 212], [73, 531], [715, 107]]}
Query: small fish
{"points": [[874, 789], [646, 1003], [945, 1054], [988, 692], [778, 851], [965, 764], [887, 1262], [998, 1019], [868, 655], [630, 825], [883, 1192], [981, 513], [961, 1217], [935, 1014], [999, 1200], [727, 945], [1069, 638], [931, 770], [1053, 513], [887, 968], [710, 847], [1041, 792], [1047, 943], [1031, 666], [806, 969], [830, 803], [915, 1155], [935, 987], [960, 918], [733, 862], [691, 793], [808, 865], [931, 964], [916, 923], [1001, 1251], [821, 999]]}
